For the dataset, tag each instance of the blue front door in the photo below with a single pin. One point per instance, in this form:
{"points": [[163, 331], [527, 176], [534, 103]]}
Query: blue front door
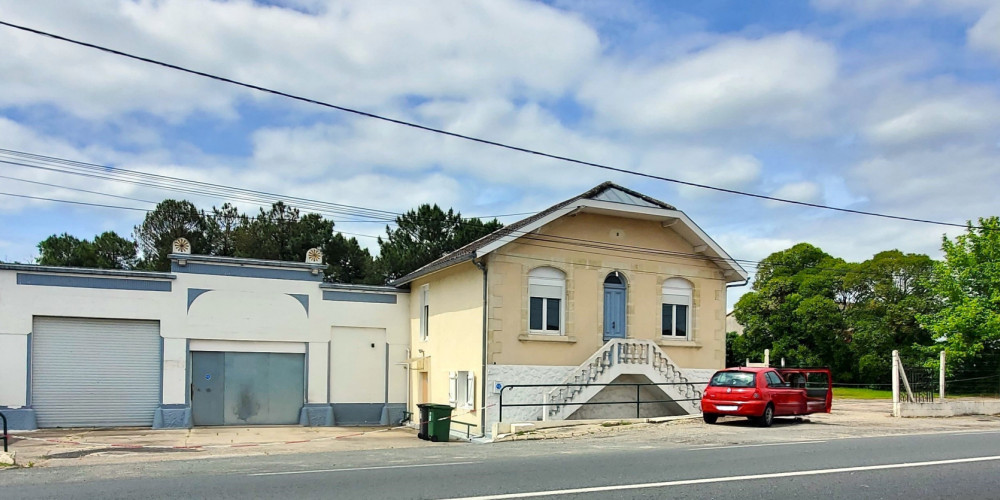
{"points": [[614, 311]]}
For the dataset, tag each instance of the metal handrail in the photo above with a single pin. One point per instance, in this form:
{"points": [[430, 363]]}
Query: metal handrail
{"points": [[4, 418], [638, 399]]}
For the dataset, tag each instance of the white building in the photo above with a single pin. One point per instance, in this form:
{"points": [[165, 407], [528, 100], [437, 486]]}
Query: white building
{"points": [[216, 341]]}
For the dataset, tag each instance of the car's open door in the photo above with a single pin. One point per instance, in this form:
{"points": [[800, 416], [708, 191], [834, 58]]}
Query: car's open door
{"points": [[818, 384]]}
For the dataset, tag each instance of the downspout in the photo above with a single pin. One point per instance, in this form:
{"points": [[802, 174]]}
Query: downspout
{"points": [[482, 413]]}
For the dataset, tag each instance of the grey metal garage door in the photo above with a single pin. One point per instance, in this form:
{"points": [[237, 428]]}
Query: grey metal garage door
{"points": [[95, 372]]}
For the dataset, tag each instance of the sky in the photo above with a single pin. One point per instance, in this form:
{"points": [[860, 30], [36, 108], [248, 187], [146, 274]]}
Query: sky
{"points": [[887, 106]]}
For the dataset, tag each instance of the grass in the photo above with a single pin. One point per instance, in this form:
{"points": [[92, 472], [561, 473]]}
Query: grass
{"points": [[860, 393], [615, 424]]}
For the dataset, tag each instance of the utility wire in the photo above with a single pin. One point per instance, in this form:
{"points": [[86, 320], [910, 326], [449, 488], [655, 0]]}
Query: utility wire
{"points": [[227, 193], [468, 137], [76, 189]]}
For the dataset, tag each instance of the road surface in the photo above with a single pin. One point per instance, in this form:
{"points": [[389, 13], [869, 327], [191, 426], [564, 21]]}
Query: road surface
{"points": [[956, 464]]}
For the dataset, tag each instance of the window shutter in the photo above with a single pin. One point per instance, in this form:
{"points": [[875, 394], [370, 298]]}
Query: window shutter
{"points": [[470, 391], [453, 387]]}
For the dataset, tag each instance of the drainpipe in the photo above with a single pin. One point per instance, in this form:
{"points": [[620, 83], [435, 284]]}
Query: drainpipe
{"points": [[482, 413]]}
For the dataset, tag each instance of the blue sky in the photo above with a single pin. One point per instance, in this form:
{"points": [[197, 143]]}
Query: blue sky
{"points": [[888, 106]]}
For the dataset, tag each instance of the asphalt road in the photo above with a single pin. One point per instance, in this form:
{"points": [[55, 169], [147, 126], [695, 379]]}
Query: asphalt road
{"points": [[963, 465]]}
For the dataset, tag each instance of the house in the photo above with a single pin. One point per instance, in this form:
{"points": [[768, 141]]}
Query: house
{"points": [[608, 286], [215, 341]]}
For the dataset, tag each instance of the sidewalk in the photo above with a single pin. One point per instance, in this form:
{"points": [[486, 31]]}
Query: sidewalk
{"points": [[55, 447]]}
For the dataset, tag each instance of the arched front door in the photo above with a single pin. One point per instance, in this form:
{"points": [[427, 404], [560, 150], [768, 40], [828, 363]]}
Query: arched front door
{"points": [[614, 306]]}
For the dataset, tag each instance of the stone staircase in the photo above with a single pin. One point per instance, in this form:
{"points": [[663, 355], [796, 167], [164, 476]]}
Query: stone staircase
{"points": [[621, 357]]}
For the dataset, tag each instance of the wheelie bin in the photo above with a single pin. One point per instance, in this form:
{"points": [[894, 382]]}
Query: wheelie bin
{"points": [[438, 422]]}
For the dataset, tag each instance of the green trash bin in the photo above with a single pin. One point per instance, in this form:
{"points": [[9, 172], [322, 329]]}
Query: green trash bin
{"points": [[438, 422]]}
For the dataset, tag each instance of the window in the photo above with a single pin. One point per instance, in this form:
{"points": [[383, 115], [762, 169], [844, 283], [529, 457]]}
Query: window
{"points": [[425, 311], [676, 308], [732, 379], [546, 291], [773, 380], [462, 392]]}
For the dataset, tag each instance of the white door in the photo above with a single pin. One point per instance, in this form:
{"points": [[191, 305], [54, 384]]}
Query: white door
{"points": [[88, 372]]}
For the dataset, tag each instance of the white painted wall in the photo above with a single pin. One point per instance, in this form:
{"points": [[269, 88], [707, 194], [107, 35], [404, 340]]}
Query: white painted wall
{"points": [[242, 313], [520, 374], [351, 349], [13, 369]]}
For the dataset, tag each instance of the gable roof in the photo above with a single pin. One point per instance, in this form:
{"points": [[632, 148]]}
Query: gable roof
{"points": [[603, 198]]}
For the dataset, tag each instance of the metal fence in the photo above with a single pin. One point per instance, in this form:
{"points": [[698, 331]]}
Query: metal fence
{"points": [[637, 401], [4, 418]]}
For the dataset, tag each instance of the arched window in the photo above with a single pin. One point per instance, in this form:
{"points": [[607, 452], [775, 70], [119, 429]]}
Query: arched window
{"points": [[546, 292], [676, 318]]}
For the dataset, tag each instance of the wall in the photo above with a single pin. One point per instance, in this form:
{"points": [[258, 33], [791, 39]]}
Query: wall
{"points": [[517, 375], [586, 269], [628, 410], [455, 335], [225, 307]]}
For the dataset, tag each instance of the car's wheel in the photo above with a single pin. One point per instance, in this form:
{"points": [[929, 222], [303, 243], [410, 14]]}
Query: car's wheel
{"points": [[710, 418], [767, 418]]}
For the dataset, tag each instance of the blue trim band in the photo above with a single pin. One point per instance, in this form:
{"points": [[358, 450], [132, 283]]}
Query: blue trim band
{"points": [[372, 298], [246, 272], [93, 282]]}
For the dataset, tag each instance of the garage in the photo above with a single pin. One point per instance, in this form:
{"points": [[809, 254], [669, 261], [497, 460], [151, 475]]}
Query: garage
{"points": [[89, 372], [247, 388]]}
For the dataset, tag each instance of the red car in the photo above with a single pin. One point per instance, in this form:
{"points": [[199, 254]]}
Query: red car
{"points": [[761, 394]]}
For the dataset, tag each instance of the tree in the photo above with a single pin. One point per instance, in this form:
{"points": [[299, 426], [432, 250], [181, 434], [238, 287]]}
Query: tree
{"points": [[114, 252], [968, 281], [107, 251], [423, 235], [222, 228], [890, 292], [347, 262], [796, 309], [171, 219]]}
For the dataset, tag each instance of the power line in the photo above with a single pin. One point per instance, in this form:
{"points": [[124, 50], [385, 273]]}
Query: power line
{"points": [[75, 189], [137, 209], [177, 184], [468, 137], [76, 202]]}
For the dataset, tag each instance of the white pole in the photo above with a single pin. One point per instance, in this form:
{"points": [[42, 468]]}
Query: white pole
{"points": [[941, 376], [767, 357], [895, 383]]}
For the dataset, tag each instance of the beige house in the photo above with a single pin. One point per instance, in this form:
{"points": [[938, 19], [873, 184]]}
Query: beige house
{"points": [[610, 285]]}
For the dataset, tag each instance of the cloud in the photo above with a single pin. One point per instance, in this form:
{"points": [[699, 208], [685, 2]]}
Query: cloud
{"points": [[355, 53], [938, 117], [952, 183], [985, 34], [804, 191], [779, 80]]}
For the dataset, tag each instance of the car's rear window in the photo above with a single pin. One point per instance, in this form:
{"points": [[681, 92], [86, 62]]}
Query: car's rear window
{"points": [[733, 379]]}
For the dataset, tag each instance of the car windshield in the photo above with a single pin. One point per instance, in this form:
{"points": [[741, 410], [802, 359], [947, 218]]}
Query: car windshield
{"points": [[733, 379]]}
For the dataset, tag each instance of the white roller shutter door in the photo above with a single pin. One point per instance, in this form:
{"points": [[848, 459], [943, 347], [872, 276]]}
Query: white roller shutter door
{"points": [[95, 372]]}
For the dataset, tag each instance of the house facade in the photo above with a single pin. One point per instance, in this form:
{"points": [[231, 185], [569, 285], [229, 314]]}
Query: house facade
{"points": [[610, 286], [611, 283], [216, 341]]}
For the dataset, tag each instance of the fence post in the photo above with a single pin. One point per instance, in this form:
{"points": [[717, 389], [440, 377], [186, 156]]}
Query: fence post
{"points": [[637, 400], [546, 399], [941, 377], [895, 383]]}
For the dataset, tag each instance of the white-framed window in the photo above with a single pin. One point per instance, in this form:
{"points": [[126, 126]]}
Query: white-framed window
{"points": [[425, 311], [462, 391], [546, 300], [676, 308]]}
